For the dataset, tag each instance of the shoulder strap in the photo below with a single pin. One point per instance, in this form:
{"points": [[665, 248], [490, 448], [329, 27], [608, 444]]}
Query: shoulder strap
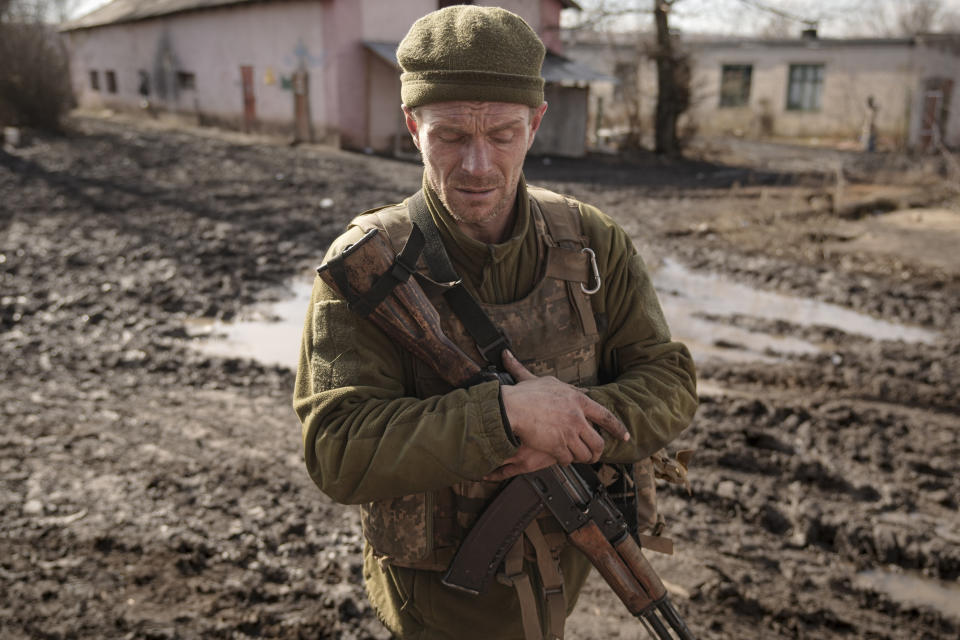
{"points": [[562, 215], [490, 340], [438, 261], [570, 257]]}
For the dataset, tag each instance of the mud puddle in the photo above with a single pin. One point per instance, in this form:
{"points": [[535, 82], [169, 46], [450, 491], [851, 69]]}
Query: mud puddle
{"points": [[914, 590], [686, 296], [271, 335]]}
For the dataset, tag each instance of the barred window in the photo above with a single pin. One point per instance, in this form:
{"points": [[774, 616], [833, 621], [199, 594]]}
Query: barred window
{"points": [[111, 81], [805, 87], [186, 80], [95, 80], [735, 84]]}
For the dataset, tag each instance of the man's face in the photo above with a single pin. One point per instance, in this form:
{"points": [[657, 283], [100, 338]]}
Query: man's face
{"points": [[473, 155]]}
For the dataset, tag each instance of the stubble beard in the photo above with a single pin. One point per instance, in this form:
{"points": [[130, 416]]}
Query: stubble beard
{"points": [[502, 207], [499, 209]]}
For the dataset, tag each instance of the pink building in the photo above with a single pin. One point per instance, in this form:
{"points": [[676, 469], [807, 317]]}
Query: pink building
{"points": [[321, 70]]}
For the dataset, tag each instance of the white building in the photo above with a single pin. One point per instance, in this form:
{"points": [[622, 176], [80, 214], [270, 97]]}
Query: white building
{"points": [[313, 69], [799, 88]]}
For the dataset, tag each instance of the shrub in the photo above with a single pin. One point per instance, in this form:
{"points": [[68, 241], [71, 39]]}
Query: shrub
{"points": [[35, 75]]}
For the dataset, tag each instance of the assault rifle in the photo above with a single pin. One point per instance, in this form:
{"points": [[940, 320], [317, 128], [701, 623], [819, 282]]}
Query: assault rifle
{"points": [[378, 285]]}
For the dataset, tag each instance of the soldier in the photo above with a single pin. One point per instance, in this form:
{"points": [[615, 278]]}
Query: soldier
{"points": [[598, 377]]}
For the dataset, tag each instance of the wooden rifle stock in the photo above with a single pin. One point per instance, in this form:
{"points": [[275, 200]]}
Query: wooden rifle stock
{"points": [[408, 316]]}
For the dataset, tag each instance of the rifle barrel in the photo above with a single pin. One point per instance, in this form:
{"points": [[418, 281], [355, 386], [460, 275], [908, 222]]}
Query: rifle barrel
{"points": [[675, 621]]}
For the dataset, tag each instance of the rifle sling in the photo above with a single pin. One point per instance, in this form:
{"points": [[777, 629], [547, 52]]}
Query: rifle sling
{"points": [[490, 340]]}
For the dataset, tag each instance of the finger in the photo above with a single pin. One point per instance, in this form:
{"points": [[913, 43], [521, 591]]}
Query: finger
{"points": [[603, 418], [581, 451], [593, 441], [514, 368]]}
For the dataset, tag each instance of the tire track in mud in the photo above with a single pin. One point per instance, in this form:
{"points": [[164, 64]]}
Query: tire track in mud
{"points": [[789, 511]]}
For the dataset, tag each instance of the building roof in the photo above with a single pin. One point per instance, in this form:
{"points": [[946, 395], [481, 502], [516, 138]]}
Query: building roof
{"points": [[132, 10], [556, 68], [386, 51], [806, 43], [588, 38], [559, 69]]}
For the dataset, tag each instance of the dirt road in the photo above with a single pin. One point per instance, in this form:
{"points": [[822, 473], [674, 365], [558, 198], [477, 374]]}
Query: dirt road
{"points": [[153, 491]]}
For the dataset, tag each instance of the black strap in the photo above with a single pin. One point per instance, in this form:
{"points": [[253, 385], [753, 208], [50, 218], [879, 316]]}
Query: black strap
{"points": [[441, 269], [404, 264], [490, 340]]}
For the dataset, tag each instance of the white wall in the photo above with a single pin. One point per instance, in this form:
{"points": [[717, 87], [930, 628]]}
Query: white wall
{"points": [[350, 23], [275, 39], [851, 74], [389, 20], [385, 118], [892, 72]]}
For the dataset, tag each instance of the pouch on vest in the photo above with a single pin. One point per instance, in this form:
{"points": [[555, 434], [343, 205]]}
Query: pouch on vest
{"points": [[633, 489]]}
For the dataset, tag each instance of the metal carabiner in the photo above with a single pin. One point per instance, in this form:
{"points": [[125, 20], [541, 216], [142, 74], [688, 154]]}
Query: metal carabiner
{"points": [[595, 272]]}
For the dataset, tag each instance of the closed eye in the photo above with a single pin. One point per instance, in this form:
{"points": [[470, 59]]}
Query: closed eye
{"points": [[503, 137]]}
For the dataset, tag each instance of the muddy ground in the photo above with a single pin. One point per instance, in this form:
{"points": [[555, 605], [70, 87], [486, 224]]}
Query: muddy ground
{"points": [[150, 491]]}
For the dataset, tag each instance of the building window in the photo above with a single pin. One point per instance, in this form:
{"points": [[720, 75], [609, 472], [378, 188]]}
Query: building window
{"points": [[735, 85], [111, 77], [805, 89], [95, 80], [143, 84], [186, 80]]}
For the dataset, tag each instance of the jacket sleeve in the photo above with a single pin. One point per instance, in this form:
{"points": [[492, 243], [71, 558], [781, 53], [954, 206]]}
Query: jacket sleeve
{"points": [[365, 438], [651, 383]]}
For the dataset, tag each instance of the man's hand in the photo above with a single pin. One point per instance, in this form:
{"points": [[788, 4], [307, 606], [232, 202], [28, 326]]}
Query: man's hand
{"points": [[553, 421]]}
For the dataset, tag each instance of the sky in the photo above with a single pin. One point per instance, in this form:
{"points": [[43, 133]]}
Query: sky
{"points": [[837, 18], [82, 7]]}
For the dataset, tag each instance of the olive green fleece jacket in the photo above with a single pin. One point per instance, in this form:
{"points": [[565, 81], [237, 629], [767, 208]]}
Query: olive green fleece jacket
{"points": [[366, 437]]}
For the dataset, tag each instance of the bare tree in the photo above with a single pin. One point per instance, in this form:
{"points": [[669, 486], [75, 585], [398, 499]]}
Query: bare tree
{"points": [[900, 18], [665, 51], [777, 27], [918, 16], [673, 82]]}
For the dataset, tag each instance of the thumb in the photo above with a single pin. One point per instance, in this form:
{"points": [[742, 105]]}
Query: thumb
{"points": [[514, 368]]}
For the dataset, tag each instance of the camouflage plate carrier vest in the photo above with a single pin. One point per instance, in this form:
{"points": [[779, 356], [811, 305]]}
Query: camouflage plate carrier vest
{"points": [[552, 330]]}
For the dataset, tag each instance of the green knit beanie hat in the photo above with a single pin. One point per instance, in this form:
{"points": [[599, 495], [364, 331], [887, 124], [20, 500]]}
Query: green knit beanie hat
{"points": [[465, 52]]}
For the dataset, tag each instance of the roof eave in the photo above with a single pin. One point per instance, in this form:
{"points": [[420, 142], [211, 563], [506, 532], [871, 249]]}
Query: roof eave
{"points": [[92, 21]]}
